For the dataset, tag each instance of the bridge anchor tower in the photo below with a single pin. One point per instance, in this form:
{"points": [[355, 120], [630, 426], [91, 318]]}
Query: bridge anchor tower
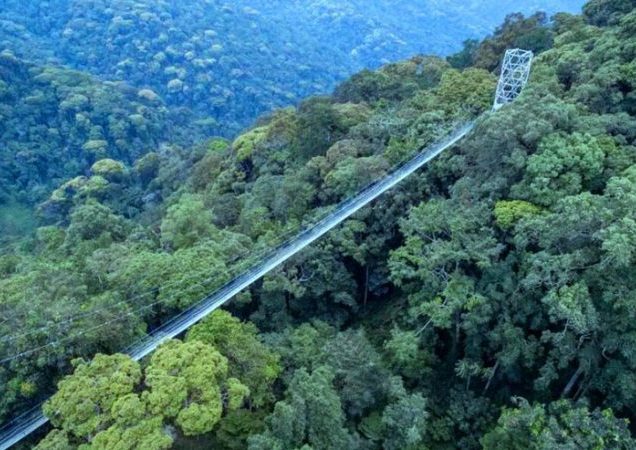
{"points": [[515, 71]]}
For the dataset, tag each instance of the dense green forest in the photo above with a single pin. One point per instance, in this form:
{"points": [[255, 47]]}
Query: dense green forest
{"points": [[55, 123], [485, 303], [181, 72], [230, 61]]}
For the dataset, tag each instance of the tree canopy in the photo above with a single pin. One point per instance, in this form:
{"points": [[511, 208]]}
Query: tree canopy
{"points": [[485, 302]]}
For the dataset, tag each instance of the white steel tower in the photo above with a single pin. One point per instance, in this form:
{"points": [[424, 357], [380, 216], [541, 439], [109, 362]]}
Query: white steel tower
{"points": [[515, 71]]}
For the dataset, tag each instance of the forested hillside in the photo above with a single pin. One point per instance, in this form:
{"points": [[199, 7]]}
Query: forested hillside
{"points": [[55, 123], [182, 71], [231, 61], [487, 302]]}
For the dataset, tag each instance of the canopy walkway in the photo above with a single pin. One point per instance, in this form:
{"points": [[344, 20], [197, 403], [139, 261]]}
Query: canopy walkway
{"points": [[513, 78]]}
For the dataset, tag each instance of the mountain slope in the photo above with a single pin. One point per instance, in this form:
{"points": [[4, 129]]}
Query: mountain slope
{"points": [[55, 122], [229, 62]]}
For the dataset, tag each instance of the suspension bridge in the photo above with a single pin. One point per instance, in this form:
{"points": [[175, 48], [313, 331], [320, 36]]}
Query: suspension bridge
{"points": [[514, 76]]}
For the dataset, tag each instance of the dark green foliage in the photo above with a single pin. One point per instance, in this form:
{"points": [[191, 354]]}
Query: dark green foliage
{"points": [[310, 414], [318, 127], [55, 123], [530, 33], [393, 82], [607, 12], [466, 56], [405, 422]]}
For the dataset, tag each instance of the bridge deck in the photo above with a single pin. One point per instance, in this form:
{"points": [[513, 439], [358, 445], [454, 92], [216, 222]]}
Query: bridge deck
{"points": [[24, 425]]}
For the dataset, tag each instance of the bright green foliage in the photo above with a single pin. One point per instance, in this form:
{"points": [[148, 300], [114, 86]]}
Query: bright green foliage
{"points": [[133, 428], [147, 434], [68, 189], [237, 392], [249, 359], [509, 212], [560, 425], [96, 187], [110, 169], [187, 382], [245, 144], [108, 404], [471, 90], [55, 440], [82, 406], [186, 222]]}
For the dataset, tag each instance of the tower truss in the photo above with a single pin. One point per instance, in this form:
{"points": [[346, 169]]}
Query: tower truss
{"points": [[514, 76]]}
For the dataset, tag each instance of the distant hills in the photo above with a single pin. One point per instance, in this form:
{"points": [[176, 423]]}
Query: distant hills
{"points": [[231, 61]]}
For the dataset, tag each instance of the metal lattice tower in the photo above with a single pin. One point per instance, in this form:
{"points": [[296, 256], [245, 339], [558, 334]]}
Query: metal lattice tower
{"points": [[514, 76]]}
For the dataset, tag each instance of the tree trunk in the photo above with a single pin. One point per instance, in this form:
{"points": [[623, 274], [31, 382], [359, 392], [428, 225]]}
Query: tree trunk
{"points": [[572, 382], [492, 375], [366, 285]]}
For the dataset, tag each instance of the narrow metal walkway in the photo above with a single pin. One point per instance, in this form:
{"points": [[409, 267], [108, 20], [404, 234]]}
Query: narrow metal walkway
{"points": [[514, 77], [24, 425]]}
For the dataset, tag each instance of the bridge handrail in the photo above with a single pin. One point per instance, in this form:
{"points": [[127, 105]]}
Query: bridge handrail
{"points": [[25, 424]]}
